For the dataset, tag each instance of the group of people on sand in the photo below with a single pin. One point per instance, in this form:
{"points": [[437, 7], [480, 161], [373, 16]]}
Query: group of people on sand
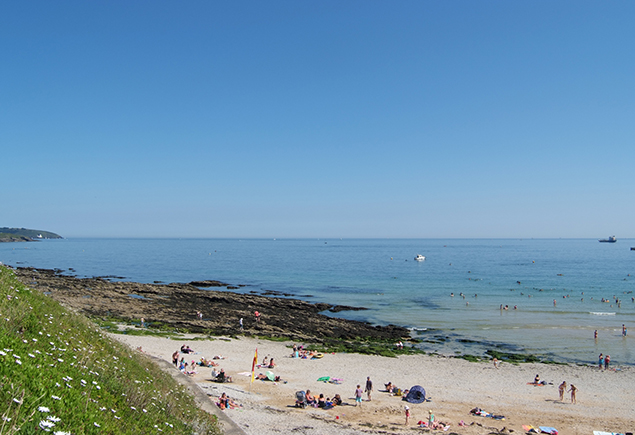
{"points": [[267, 363], [321, 401], [190, 368], [562, 388], [220, 376], [226, 402], [300, 352]]}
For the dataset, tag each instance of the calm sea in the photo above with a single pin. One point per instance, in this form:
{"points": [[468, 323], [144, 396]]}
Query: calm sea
{"points": [[381, 274]]}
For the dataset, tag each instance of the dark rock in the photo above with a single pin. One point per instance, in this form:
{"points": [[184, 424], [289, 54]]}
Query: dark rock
{"points": [[176, 305]]}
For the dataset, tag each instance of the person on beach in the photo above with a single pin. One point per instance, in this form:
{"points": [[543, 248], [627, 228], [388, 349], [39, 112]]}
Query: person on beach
{"points": [[407, 409], [495, 361], [623, 330], [561, 389], [537, 380], [358, 395], [607, 360], [175, 358], [369, 387], [430, 419], [573, 391], [143, 322], [241, 324], [337, 400], [309, 398], [601, 361], [272, 364], [257, 316], [595, 334]]}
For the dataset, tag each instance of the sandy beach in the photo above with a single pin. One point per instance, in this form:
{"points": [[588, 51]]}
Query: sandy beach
{"points": [[455, 386]]}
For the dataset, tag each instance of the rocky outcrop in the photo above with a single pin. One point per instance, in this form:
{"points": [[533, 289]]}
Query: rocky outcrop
{"points": [[176, 305]]}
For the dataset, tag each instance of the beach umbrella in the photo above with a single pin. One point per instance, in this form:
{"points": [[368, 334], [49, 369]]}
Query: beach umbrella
{"points": [[416, 394]]}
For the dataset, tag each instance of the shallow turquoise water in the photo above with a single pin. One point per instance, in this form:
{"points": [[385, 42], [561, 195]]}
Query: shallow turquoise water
{"points": [[381, 274]]}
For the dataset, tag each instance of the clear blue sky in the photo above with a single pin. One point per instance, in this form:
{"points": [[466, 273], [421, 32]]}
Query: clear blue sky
{"points": [[318, 119]]}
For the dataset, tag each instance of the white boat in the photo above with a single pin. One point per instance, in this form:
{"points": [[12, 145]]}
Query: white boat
{"points": [[420, 257]]}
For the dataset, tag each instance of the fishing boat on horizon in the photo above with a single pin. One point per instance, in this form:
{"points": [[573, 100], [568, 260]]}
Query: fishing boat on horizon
{"points": [[611, 239]]}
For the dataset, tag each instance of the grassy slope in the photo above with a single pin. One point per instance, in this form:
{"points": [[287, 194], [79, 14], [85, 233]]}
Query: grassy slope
{"points": [[55, 364]]}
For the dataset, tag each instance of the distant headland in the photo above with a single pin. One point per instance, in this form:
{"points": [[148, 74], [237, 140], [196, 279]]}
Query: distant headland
{"points": [[25, 235]]}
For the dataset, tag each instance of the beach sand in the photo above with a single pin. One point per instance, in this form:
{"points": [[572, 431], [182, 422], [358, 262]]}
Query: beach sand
{"points": [[455, 386]]}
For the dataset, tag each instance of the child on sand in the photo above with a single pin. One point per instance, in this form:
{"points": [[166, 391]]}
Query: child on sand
{"points": [[407, 409], [358, 395]]}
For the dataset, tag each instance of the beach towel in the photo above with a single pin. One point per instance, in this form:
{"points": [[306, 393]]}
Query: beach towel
{"points": [[549, 430], [270, 376], [599, 432], [529, 429], [336, 381], [324, 379]]}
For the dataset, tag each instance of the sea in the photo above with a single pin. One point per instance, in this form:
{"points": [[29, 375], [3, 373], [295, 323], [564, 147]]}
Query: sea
{"points": [[558, 292]]}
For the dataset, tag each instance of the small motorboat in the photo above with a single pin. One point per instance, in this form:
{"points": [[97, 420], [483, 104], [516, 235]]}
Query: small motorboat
{"points": [[420, 257]]}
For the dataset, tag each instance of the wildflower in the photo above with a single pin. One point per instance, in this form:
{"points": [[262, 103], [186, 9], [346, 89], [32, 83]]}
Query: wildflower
{"points": [[2, 353], [18, 361], [55, 397], [96, 424], [59, 432], [6, 418], [16, 356], [24, 341], [118, 418], [60, 360], [18, 401], [34, 339], [144, 410], [46, 425], [53, 418], [43, 409], [57, 385], [98, 387], [31, 355]]}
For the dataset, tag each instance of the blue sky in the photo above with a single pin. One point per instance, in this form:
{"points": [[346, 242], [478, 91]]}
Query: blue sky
{"points": [[318, 119]]}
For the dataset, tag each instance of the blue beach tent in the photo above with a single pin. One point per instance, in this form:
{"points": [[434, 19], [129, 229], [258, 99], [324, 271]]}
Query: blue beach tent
{"points": [[416, 394]]}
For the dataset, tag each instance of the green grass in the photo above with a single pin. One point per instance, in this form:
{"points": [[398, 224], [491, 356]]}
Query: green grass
{"points": [[57, 368]]}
